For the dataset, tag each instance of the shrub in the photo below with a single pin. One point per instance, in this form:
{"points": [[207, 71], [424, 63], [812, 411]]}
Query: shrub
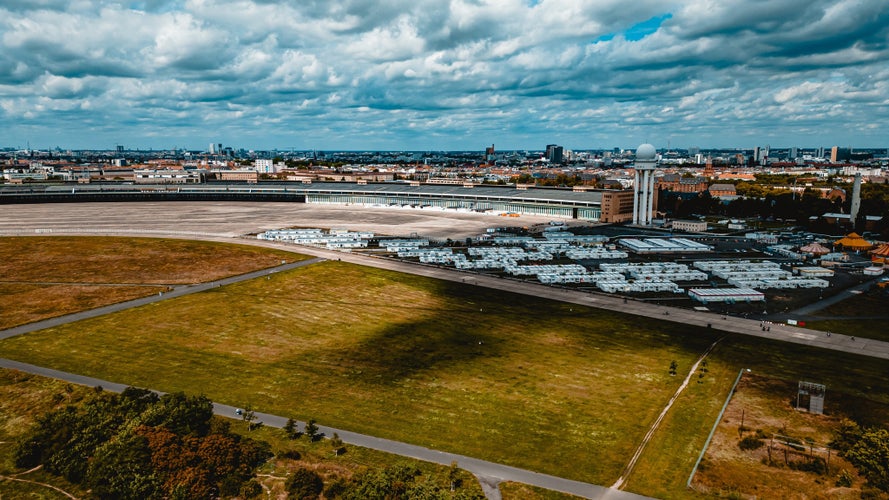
{"points": [[844, 480], [750, 443], [304, 484]]}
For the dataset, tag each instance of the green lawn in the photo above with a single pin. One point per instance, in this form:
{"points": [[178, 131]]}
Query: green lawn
{"points": [[532, 383]]}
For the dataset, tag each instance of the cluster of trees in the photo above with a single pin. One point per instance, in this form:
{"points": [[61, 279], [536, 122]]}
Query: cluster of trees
{"points": [[760, 202], [867, 448], [391, 483], [558, 180], [139, 445]]}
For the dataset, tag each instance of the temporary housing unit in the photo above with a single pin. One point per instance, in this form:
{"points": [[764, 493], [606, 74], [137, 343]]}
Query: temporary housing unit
{"points": [[729, 295]]}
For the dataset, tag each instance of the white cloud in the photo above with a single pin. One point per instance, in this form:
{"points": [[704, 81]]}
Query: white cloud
{"points": [[555, 70]]}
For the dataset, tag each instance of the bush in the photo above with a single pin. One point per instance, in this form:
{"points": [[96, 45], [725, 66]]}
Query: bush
{"points": [[336, 489], [304, 484], [251, 489], [750, 443], [844, 480], [816, 465]]}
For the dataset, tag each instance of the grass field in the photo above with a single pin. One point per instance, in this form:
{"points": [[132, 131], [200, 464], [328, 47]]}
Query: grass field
{"points": [[43, 277], [764, 405], [526, 382], [551, 387]]}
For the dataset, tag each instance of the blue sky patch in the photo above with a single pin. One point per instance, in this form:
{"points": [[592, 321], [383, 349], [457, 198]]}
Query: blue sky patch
{"points": [[638, 31]]}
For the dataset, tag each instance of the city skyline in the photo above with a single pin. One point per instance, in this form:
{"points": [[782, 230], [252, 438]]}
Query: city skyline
{"points": [[431, 75]]}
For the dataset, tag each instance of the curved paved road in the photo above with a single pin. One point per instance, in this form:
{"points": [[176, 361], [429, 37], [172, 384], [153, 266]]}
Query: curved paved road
{"points": [[478, 467]]}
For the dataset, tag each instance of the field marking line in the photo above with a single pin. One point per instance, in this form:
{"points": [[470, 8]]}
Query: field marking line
{"points": [[619, 484]]}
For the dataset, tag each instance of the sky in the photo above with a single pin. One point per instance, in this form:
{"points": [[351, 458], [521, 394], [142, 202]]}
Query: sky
{"points": [[429, 75]]}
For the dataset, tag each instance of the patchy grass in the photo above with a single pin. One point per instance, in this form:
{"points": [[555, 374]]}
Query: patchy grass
{"points": [[320, 457], [519, 491], [872, 302], [862, 315], [762, 408], [517, 380], [864, 328], [55, 275], [664, 467]]}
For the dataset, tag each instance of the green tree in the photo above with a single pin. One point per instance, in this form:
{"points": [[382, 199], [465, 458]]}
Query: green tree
{"points": [[312, 430], [304, 484], [121, 468], [870, 455], [290, 429]]}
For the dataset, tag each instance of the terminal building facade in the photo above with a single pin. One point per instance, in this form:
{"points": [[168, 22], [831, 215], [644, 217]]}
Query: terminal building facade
{"points": [[608, 206]]}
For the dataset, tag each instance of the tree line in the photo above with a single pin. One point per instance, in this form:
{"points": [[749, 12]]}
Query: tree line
{"points": [[140, 445]]}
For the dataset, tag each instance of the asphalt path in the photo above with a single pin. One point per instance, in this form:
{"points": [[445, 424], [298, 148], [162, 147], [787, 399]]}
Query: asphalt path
{"points": [[484, 470]]}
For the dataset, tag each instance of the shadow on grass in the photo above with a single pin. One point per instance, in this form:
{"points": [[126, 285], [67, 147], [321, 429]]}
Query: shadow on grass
{"points": [[404, 350]]}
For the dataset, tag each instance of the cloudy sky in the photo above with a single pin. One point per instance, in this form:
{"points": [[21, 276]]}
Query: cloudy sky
{"points": [[443, 74]]}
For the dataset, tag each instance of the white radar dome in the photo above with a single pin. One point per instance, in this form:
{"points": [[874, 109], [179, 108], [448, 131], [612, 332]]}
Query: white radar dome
{"points": [[646, 152]]}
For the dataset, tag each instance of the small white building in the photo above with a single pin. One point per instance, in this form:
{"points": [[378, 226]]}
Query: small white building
{"points": [[696, 226], [707, 295]]}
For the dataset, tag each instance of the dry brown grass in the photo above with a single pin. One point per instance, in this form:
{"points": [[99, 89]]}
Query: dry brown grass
{"points": [[44, 277], [766, 405]]}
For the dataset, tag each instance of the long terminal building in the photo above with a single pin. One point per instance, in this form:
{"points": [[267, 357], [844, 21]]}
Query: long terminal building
{"points": [[589, 205]]}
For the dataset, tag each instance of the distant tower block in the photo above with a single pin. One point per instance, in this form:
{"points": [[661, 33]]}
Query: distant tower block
{"points": [[643, 200], [812, 395]]}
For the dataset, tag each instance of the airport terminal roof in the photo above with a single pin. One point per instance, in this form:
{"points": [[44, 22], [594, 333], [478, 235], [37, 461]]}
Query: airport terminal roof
{"points": [[456, 190]]}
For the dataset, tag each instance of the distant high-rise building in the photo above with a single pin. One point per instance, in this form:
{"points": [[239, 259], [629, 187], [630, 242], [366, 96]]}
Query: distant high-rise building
{"points": [[693, 151], [212, 149], [555, 153], [840, 155], [820, 152], [794, 154], [756, 153], [489, 154], [119, 148]]}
